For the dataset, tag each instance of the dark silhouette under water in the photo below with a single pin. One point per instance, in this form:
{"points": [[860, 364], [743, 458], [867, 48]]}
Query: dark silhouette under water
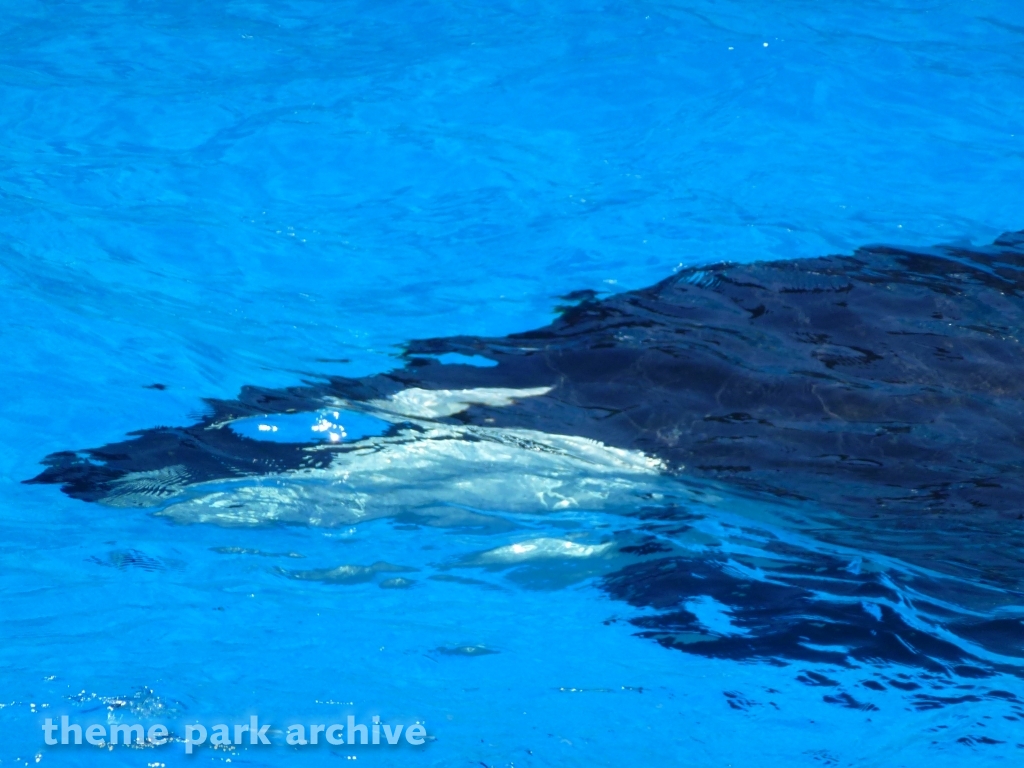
{"points": [[886, 388]]}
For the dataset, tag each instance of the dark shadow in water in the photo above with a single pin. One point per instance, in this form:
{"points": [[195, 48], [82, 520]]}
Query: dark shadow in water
{"points": [[886, 387]]}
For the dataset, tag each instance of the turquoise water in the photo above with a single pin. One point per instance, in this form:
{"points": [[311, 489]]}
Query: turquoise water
{"points": [[208, 196]]}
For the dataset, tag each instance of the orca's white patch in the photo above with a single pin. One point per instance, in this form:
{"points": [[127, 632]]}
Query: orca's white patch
{"points": [[439, 403], [489, 469], [543, 548]]}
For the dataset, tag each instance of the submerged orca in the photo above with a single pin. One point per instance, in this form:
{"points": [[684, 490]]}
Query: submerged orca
{"points": [[884, 388]]}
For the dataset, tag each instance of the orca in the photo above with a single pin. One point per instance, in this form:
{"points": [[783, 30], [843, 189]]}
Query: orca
{"points": [[880, 393]]}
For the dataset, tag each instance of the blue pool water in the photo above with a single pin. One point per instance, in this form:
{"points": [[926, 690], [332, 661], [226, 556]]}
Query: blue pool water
{"points": [[208, 196], [310, 426]]}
